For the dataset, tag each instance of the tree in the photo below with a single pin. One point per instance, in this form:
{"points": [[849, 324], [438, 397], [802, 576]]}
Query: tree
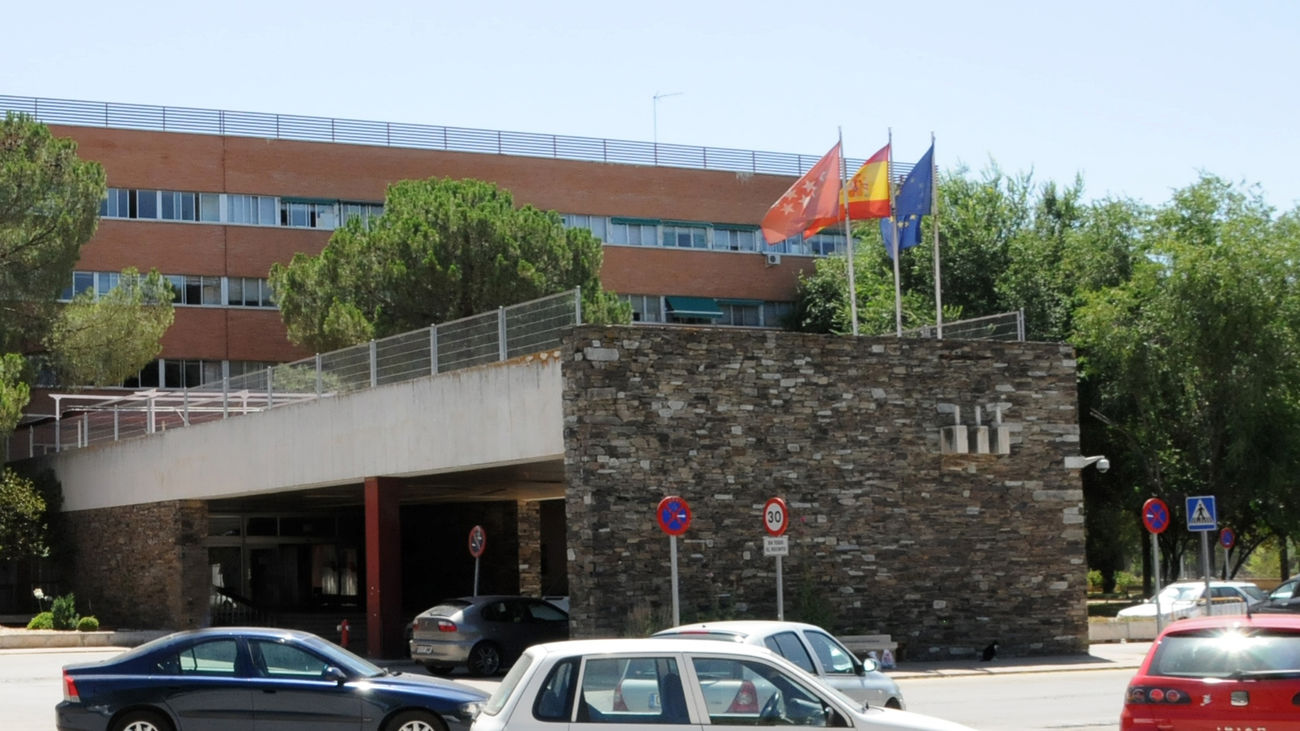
{"points": [[443, 249], [101, 342], [23, 520], [1192, 361]]}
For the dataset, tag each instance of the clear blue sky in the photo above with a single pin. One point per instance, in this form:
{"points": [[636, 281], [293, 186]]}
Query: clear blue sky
{"points": [[1136, 96]]}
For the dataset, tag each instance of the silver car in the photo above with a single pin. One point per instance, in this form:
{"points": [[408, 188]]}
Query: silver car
{"points": [[484, 633], [810, 647], [680, 683]]}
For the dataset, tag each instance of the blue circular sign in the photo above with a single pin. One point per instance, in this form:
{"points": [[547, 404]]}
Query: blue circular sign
{"points": [[1227, 538], [674, 515], [1155, 515]]}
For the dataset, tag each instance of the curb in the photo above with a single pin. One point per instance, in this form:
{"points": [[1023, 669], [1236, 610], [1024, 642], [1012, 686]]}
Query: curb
{"points": [[39, 639]]}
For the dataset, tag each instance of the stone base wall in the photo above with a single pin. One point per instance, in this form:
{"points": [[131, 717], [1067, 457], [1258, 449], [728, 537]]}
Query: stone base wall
{"points": [[141, 566], [946, 552]]}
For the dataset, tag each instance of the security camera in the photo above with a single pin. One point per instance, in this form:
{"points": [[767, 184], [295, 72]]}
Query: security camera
{"points": [[1103, 464]]}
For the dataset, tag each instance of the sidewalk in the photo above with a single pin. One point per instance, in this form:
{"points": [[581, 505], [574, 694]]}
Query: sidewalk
{"points": [[1102, 656]]}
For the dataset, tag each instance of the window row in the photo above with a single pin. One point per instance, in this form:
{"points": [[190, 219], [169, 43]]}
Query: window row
{"points": [[263, 210], [651, 308], [714, 237], [209, 291], [256, 210], [190, 373]]}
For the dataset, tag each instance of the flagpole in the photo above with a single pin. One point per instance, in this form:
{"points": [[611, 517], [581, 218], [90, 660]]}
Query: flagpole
{"points": [[848, 234], [893, 220], [934, 219]]}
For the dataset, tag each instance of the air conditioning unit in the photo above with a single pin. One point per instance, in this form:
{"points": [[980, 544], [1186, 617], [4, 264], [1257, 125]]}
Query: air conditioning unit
{"points": [[773, 259]]}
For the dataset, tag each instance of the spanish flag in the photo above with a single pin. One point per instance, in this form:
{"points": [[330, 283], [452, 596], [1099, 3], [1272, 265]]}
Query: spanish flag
{"points": [[868, 193], [869, 188]]}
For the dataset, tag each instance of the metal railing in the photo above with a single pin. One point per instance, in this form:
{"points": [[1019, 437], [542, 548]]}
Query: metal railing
{"points": [[1006, 326], [418, 136], [82, 420]]}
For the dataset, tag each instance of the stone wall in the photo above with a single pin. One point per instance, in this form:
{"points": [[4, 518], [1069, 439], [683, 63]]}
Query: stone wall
{"points": [[946, 552], [141, 566]]}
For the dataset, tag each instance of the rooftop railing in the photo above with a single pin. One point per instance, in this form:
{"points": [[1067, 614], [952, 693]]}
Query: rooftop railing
{"points": [[416, 136]]}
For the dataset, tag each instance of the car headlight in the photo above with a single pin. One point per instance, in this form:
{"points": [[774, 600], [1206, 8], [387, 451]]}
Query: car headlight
{"points": [[469, 711]]}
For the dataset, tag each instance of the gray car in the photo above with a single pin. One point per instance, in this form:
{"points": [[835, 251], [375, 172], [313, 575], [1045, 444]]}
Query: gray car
{"points": [[810, 647], [483, 633]]}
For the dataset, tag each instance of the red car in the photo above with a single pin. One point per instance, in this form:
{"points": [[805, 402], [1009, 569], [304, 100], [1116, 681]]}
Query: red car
{"points": [[1222, 673]]}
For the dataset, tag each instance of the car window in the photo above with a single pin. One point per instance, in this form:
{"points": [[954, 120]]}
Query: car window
{"points": [[278, 660], [499, 611], [544, 612], [1285, 590], [216, 657], [640, 690], [787, 645], [555, 701], [752, 693], [833, 657], [1254, 593], [1223, 653], [498, 699]]}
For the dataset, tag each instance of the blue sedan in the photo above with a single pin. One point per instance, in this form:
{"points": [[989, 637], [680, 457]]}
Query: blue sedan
{"points": [[255, 678]]}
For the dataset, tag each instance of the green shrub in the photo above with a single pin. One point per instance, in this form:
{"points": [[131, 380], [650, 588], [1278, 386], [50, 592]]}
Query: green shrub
{"points": [[64, 610], [87, 624], [44, 620], [1126, 582], [1094, 581]]}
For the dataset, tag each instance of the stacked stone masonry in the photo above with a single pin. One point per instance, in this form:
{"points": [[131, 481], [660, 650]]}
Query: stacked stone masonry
{"points": [[945, 552]]}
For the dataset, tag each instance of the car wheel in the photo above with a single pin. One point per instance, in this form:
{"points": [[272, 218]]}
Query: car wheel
{"points": [[414, 721], [438, 669], [484, 659], [143, 721]]}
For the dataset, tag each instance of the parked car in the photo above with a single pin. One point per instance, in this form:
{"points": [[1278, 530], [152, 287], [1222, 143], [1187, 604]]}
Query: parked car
{"points": [[655, 681], [810, 647], [225, 677], [1226, 672], [483, 633], [1285, 598], [1186, 599]]}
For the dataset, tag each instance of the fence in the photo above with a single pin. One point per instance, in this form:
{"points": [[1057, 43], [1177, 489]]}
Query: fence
{"points": [[418, 136], [1006, 326], [82, 420]]}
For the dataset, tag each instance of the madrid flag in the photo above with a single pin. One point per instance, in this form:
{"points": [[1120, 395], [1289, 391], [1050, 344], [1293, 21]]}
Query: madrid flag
{"points": [[813, 197]]}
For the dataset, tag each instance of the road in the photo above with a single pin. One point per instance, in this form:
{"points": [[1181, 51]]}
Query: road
{"points": [[1084, 699], [30, 685]]}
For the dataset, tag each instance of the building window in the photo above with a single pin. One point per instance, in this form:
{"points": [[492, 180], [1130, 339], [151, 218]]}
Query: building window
{"points": [[210, 207], [195, 290], [260, 210], [365, 212], [597, 225], [746, 314], [116, 204], [645, 307], [686, 237], [736, 239], [826, 243], [633, 232], [180, 206], [248, 292], [144, 204], [776, 313], [309, 214]]}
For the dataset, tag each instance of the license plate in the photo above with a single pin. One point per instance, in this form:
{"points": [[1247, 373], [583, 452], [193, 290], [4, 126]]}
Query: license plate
{"points": [[423, 650]]}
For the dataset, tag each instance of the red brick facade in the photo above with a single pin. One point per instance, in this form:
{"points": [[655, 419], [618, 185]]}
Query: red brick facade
{"points": [[216, 164]]}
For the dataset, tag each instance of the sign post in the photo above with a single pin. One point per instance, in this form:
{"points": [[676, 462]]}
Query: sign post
{"points": [[1202, 517], [776, 516], [1227, 539], [674, 517], [477, 542], [1155, 516]]}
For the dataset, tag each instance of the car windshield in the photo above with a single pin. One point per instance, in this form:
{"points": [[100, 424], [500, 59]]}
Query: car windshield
{"points": [[1228, 653], [353, 665], [1181, 593], [1254, 592], [1285, 590]]}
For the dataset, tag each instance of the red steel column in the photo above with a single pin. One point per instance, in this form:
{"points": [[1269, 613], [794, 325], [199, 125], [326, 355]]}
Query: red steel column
{"points": [[383, 568]]}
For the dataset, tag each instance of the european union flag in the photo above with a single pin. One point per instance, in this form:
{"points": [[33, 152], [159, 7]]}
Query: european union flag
{"points": [[913, 201]]}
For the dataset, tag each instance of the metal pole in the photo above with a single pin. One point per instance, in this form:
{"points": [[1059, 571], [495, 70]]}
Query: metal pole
{"points": [[780, 592], [502, 351], [1155, 564], [672, 551], [476, 578], [1205, 569], [374, 364]]}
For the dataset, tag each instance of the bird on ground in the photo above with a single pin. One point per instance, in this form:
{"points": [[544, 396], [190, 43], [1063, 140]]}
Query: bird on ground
{"points": [[990, 652]]}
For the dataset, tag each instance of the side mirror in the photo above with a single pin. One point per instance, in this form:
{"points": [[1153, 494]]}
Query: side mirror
{"points": [[869, 665], [334, 673]]}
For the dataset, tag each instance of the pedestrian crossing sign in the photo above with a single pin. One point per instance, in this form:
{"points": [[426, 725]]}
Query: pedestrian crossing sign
{"points": [[1201, 513]]}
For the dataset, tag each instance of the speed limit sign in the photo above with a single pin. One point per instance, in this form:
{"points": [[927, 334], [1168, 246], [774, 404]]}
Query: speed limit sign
{"points": [[775, 516]]}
